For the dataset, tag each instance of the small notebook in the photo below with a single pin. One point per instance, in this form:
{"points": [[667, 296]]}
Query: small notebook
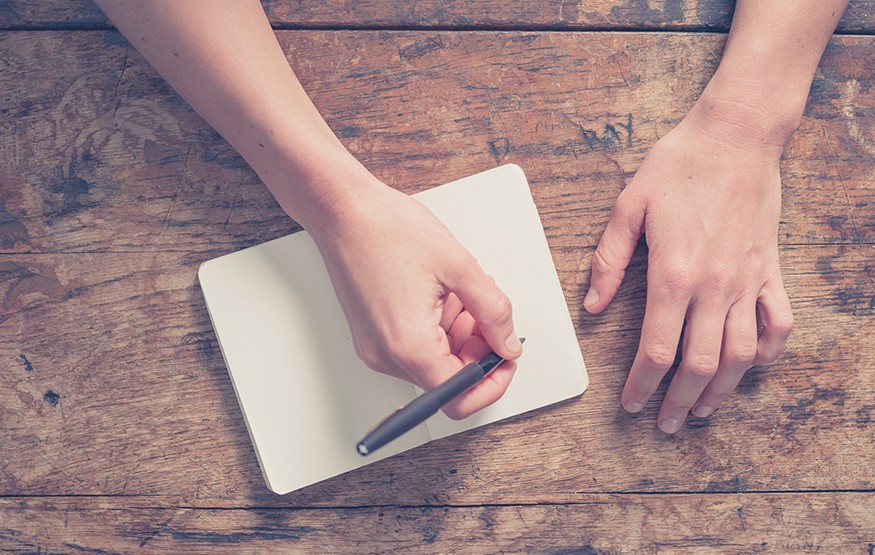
{"points": [[307, 399]]}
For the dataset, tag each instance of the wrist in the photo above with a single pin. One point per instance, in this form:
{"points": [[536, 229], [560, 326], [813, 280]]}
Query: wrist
{"points": [[315, 181], [751, 111], [740, 117]]}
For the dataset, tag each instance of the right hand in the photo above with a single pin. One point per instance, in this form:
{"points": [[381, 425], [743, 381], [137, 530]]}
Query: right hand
{"points": [[419, 307]]}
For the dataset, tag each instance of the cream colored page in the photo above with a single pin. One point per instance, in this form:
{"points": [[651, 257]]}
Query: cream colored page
{"points": [[493, 215], [306, 398]]}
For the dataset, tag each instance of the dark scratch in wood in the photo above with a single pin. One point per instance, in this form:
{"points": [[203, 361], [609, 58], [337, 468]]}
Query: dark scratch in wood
{"points": [[119, 80], [51, 397], [27, 365]]}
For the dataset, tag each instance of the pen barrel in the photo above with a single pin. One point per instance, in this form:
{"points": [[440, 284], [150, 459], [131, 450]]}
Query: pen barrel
{"points": [[417, 411], [458, 383], [401, 422]]}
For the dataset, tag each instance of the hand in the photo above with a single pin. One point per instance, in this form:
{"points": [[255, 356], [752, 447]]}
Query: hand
{"points": [[708, 201], [418, 305]]}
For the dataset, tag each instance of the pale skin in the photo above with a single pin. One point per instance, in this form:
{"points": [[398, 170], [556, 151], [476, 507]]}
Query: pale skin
{"points": [[707, 198], [418, 305]]}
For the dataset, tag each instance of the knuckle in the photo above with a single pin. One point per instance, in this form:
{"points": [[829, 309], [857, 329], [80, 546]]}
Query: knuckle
{"points": [[678, 278], [627, 206], [457, 266], [784, 324], [719, 280], [659, 356], [742, 352], [704, 366], [459, 262], [601, 265], [624, 203], [503, 308], [499, 309]]}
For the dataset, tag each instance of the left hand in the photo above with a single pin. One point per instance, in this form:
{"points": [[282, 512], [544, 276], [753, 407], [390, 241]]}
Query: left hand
{"points": [[708, 199]]}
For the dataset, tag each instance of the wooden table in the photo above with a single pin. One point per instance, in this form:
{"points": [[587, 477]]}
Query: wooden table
{"points": [[119, 430]]}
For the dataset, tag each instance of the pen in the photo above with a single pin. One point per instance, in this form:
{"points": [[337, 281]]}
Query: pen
{"points": [[418, 410]]}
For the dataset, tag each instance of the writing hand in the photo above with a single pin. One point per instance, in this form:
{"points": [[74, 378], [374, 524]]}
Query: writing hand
{"points": [[418, 305]]}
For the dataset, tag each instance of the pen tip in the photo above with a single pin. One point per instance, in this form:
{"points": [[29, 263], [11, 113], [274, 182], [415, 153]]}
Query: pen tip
{"points": [[522, 339]]}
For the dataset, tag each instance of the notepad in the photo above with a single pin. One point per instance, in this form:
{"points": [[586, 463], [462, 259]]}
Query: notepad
{"points": [[305, 396]]}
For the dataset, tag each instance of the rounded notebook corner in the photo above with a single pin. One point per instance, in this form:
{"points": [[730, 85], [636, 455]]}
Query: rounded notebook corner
{"points": [[204, 267], [515, 169]]}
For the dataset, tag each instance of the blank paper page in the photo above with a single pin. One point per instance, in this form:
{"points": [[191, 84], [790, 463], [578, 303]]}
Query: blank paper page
{"points": [[306, 398], [509, 243]]}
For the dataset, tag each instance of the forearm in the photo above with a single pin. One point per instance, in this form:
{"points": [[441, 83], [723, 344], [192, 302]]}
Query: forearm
{"points": [[223, 58], [769, 61]]}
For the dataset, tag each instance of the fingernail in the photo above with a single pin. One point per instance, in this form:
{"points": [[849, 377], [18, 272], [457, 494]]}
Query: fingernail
{"points": [[592, 297], [670, 425], [702, 411], [631, 406], [513, 343]]}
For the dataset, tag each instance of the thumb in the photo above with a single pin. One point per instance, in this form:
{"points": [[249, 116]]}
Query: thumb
{"points": [[489, 306], [614, 251]]}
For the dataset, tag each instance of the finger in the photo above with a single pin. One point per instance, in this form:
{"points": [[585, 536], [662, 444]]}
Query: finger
{"points": [[424, 355], [614, 251], [430, 367], [487, 391], [736, 356], [451, 309], [660, 332], [701, 357], [461, 331], [777, 317], [488, 305]]}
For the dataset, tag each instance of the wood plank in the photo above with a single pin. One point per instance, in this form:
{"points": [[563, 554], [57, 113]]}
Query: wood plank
{"points": [[99, 155], [111, 382], [424, 14], [597, 525]]}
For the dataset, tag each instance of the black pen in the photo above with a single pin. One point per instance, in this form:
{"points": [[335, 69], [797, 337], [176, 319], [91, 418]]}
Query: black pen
{"points": [[418, 410]]}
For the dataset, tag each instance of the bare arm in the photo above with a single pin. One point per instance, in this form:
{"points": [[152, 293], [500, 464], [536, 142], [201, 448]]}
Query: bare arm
{"points": [[769, 61], [708, 200], [224, 59], [417, 303]]}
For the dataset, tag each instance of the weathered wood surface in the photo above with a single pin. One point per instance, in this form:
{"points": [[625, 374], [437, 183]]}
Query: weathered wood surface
{"points": [[101, 156], [424, 14], [835, 523], [114, 396], [140, 402]]}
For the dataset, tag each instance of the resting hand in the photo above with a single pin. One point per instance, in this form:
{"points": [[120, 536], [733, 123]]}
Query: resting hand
{"points": [[708, 200], [418, 305]]}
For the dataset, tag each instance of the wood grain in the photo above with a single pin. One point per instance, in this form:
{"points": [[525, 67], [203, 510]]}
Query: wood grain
{"points": [[596, 525], [119, 430], [425, 14], [143, 399], [100, 156]]}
